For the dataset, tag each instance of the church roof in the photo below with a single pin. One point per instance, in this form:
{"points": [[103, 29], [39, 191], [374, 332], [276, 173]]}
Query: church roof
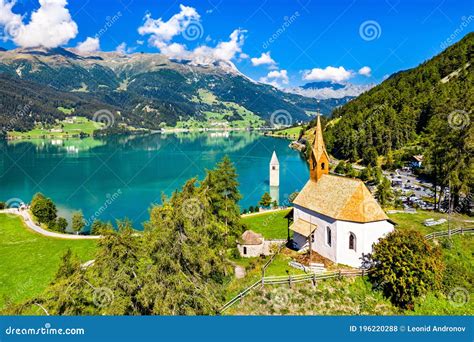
{"points": [[303, 227], [249, 237], [274, 160], [340, 198], [319, 148]]}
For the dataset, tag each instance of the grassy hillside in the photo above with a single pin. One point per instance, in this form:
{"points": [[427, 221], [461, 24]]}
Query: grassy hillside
{"points": [[356, 296], [271, 225], [29, 260], [60, 129]]}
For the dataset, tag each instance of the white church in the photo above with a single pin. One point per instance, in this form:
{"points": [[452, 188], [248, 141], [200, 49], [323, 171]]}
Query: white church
{"points": [[337, 214]]}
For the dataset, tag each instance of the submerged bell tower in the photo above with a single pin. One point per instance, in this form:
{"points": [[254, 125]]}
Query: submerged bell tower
{"points": [[274, 170]]}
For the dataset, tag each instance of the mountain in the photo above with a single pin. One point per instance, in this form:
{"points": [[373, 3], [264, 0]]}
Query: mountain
{"points": [[323, 84], [325, 90], [397, 112], [144, 89]]}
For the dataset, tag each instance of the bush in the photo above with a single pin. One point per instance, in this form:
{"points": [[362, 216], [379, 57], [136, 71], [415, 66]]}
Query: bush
{"points": [[99, 227], [43, 209], [2, 205], [406, 266], [59, 225]]}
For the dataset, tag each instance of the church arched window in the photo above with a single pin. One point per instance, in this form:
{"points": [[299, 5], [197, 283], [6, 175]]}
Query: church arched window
{"points": [[323, 166], [328, 236], [352, 241]]}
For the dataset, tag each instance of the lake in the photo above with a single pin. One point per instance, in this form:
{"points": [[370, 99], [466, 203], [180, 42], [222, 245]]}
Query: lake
{"points": [[121, 176]]}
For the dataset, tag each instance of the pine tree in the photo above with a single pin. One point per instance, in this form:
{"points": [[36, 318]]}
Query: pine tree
{"points": [[77, 221], [384, 193], [221, 186], [266, 200]]}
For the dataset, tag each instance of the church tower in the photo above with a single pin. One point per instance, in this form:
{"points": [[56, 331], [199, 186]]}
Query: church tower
{"points": [[319, 159], [274, 170]]}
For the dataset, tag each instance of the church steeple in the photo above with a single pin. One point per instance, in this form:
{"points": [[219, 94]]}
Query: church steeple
{"points": [[319, 159]]}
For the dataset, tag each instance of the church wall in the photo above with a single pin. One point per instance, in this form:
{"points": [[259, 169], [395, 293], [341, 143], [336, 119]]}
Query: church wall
{"points": [[366, 235], [321, 221]]}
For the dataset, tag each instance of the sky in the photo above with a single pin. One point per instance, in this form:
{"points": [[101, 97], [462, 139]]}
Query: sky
{"points": [[284, 43]]}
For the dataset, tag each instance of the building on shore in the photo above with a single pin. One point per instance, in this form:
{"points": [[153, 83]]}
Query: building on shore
{"points": [[337, 217]]}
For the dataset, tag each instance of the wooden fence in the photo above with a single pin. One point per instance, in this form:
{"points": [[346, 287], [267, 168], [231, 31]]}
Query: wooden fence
{"points": [[292, 279], [445, 233]]}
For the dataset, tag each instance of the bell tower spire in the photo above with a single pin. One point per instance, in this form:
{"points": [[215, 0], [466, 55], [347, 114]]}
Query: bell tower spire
{"points": [[319, 159]]}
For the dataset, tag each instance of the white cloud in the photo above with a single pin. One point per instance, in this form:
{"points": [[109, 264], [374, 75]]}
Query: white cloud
{"points": [[329, 73], [365, 71], [123, 49], [276, 78], [264, 59], [163, 32], [89, 45], [224, 50], [50, 25]]}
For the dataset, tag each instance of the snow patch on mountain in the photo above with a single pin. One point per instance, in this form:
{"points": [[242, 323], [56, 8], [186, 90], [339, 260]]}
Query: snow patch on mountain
{"points": [[330, 90]]}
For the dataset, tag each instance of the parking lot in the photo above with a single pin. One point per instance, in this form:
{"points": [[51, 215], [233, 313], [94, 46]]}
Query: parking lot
{"points": [[413, 188]]}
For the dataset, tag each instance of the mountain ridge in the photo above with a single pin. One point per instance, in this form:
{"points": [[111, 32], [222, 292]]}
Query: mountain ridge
{"points": [[150, 90]]}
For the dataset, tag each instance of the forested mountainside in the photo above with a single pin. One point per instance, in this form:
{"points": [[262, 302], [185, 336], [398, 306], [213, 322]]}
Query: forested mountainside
{"points": [[145, 90], [394, 113], [426, 110]]}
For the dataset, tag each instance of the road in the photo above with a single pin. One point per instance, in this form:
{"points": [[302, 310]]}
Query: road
{"points": [[33, 226]]}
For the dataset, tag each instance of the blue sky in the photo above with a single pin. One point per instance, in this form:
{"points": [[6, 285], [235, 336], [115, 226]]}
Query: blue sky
{"points": [[312, 40]]}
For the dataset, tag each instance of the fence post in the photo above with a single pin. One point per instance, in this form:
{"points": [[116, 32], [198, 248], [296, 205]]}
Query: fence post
{"points": [[314, 279], [289, 280]]}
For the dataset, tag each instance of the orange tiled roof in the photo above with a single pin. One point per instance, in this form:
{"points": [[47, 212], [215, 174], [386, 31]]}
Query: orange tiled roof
{"points": [[340, 198]]}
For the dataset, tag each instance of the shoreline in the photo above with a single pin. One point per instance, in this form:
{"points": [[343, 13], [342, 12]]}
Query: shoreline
{"points": [[137, 132]]}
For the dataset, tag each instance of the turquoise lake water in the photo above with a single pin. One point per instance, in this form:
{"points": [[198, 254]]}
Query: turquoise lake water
{"points": [[120, 177]]}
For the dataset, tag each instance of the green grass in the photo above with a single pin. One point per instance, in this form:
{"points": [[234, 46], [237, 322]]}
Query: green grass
{"points": [[415, 221], [356, 296], [329, 297], [291, 133], [66, 110], [29, 260], [279, 267], [271, 225], [64, 129], [220, 113]]}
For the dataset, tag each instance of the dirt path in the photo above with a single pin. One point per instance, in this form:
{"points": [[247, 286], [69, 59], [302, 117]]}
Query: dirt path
{"points": [[33, 226]]}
